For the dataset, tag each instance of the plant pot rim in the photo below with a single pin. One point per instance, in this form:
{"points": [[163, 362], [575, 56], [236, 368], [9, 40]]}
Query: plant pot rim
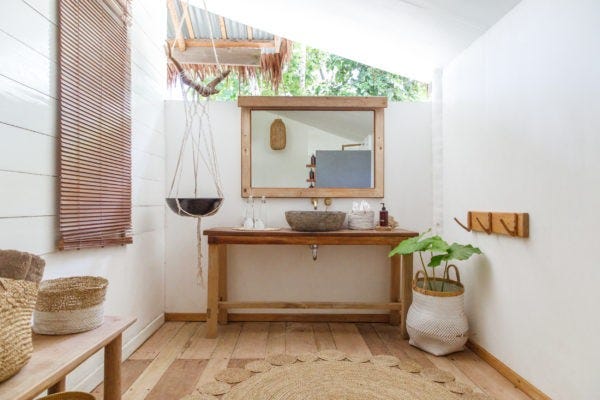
{"points": [[436, 293]]}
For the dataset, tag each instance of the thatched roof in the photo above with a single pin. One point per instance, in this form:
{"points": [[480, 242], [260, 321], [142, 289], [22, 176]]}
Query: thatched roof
{"points": [[244, 50]]}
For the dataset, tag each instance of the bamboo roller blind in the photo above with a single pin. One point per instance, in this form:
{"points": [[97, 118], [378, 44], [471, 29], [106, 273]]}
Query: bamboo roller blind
{"points": [[95, 124]]}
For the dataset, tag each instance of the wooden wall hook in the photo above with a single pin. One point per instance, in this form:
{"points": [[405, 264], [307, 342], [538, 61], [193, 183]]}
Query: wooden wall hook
{"points": [[487, 229], [515, 230], [502, 223], [468, 227]]}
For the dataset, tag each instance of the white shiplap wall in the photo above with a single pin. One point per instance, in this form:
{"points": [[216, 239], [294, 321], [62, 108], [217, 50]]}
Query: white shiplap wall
{"points": [[28, 175]]}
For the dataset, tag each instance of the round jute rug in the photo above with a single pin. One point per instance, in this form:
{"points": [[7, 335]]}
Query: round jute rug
{"points": [[337, 380]]}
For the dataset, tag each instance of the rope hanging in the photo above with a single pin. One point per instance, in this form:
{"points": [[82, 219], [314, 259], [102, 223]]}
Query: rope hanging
{"points": [[197, 135]]}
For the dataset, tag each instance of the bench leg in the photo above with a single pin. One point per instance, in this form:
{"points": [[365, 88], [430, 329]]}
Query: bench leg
{"points": [[112, 369], [59, 386]]}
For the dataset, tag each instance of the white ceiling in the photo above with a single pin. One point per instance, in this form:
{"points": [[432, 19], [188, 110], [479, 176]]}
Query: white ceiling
{"points": [[407, 37]]}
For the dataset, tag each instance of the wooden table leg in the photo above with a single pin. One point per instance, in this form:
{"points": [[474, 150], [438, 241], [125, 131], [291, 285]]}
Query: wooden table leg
{"points": [[212, 308], [59, 386], [223, 282], [394, 288], [406, 277], [112, 369]]}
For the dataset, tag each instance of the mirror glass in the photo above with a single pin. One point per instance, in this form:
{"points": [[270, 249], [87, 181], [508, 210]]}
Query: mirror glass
{"points": [[312, 148]]}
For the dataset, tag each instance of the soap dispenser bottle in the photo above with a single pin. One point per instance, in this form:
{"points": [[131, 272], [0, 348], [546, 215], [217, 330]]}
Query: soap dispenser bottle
{"points": [[383, 215]]}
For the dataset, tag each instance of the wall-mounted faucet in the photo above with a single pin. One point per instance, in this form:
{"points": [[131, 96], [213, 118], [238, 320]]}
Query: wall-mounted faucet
{"points": [[315, 203]]}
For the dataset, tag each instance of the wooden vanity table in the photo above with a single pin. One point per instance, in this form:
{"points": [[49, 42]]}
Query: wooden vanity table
{"points": [[401, 270]]}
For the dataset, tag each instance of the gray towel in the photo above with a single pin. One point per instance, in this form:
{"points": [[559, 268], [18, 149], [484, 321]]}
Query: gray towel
{"points": [[21, 265]]}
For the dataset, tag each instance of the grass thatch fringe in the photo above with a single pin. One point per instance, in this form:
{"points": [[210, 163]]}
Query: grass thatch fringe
{"points": [[270, 70]]}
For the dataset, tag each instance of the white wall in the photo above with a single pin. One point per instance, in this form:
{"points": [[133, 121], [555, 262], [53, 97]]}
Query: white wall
{"points": [[28, 175], [350, 273], [521, 133]]}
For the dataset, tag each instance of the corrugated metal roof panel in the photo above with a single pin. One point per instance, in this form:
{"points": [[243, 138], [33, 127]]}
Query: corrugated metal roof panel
{"points": [[257, 34], [235, 30], [200, 24]]}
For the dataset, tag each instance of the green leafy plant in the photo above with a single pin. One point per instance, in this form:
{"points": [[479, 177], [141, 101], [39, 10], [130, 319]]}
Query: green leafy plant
{"points": [[440, 250], [314, 72]]}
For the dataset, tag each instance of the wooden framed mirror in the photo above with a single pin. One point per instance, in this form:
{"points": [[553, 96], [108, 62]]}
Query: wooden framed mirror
{"points": [[312, 146]]}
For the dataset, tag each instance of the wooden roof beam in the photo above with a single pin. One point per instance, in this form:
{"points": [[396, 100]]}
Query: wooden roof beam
{"points": [[175, 21], [188, 20], [219, 43], [223, 28], [205, 55]]}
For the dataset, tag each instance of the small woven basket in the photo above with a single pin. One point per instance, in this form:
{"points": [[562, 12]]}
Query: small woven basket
{"points": [[69, 396], [69, 305], [17, 298], [361, 220]]}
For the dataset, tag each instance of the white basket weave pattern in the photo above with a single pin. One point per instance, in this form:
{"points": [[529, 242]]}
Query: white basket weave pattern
{"points": [[361, 220], [437, 325]]}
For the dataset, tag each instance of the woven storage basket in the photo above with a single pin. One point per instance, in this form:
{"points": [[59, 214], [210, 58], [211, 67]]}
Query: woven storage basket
{"points": [[361, 220], [17, 299], [69, 396], [69, 305], [436, 321]]}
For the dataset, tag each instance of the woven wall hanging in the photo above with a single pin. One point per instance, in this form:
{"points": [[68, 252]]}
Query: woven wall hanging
{"points": [[277, 134]]}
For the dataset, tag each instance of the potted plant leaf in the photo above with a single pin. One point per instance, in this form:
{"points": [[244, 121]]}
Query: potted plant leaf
{"points": [[436, 321]]}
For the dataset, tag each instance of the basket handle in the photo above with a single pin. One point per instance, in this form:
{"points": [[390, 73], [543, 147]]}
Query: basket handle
{"points": [[447, 272], [416, 279]]}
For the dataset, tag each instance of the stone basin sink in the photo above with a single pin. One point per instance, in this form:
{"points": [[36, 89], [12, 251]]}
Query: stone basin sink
{"points": [[315, 221]]}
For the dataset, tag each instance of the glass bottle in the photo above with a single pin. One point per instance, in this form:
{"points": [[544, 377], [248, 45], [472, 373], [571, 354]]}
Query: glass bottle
{"points": [[260, 220], [249, 214]]}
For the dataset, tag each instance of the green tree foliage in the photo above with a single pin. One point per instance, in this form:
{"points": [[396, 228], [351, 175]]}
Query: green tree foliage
{"points": [[318, 73]]}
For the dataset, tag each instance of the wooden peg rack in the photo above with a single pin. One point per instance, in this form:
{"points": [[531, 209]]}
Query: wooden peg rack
{"points": [[502, 223]]}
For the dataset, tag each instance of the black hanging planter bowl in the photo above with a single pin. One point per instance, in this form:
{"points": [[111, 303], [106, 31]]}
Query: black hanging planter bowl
{"points": [[195, 207]]}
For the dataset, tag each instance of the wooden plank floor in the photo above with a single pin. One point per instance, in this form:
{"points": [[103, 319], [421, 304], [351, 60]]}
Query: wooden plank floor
{"points": [[178, 358]]}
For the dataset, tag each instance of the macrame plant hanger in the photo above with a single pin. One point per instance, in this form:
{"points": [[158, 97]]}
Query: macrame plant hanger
{"points": [[198, 136]]}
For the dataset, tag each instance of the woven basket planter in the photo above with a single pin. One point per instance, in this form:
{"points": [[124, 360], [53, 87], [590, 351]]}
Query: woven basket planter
{"points": [[436, 320], [69, 396], [69, 305], [361, 220], [17, 299]]}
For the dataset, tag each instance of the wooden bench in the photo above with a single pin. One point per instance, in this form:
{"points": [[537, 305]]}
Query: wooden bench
{"points": [[55, 356]]}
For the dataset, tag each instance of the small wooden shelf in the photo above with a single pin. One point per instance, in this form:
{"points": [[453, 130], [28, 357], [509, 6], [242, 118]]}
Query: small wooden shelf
{"points": [[311, 166], [310, 180]]}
